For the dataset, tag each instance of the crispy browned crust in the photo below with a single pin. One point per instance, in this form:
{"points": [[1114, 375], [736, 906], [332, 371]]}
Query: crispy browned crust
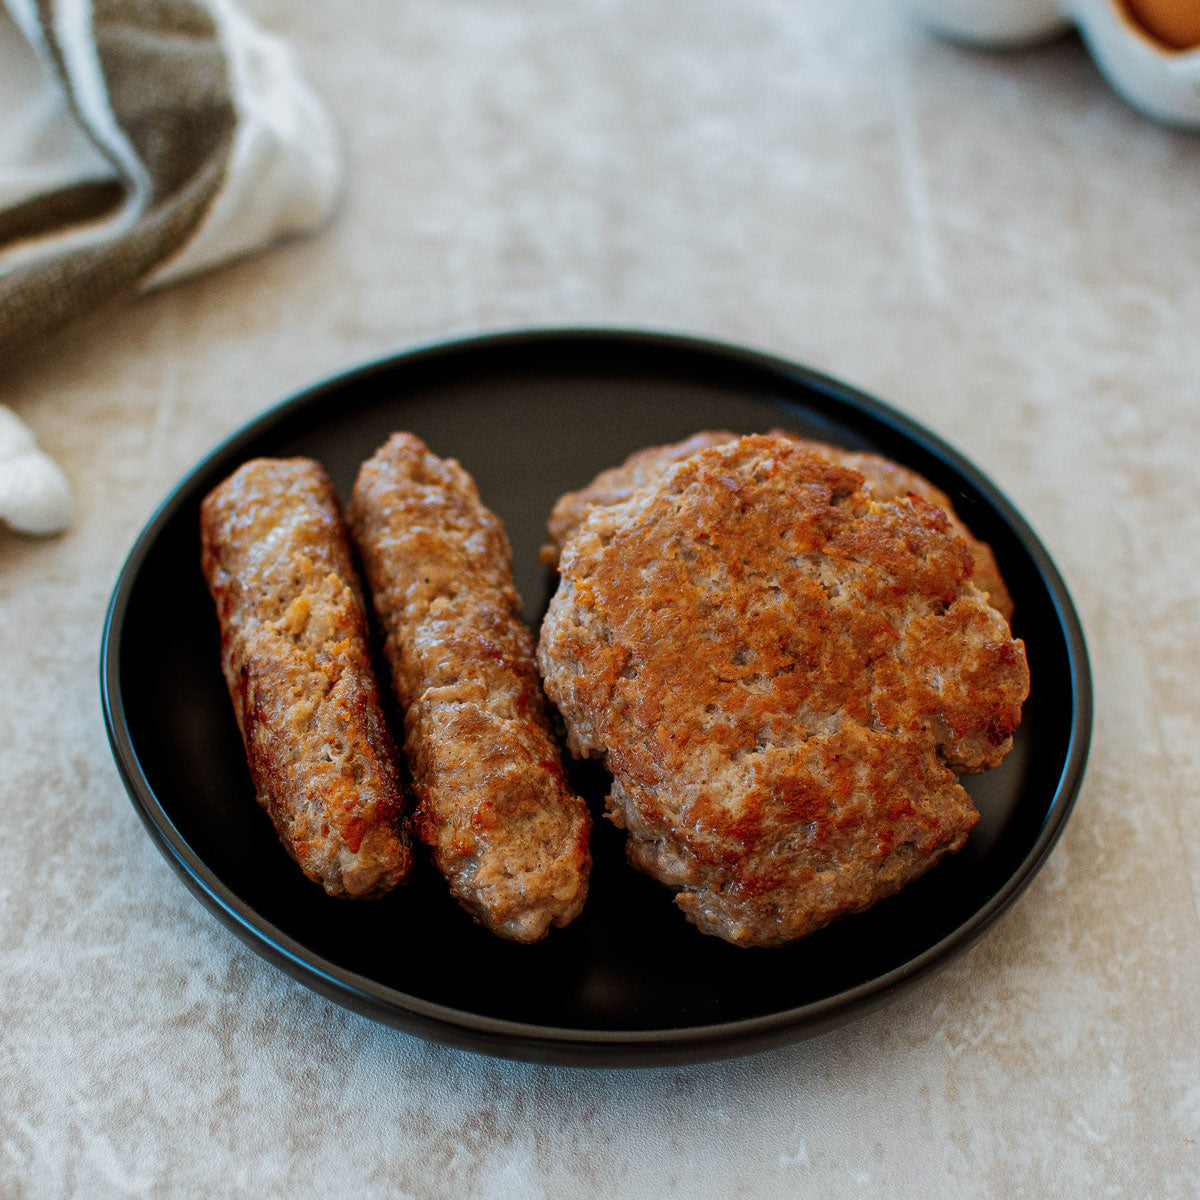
{"points": [[295, 656], [618, 484], [885, 478], [783, 674], [506, 832], [890, 481]]}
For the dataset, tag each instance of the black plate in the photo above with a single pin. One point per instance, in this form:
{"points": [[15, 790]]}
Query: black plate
{"points": [[531, 415]]}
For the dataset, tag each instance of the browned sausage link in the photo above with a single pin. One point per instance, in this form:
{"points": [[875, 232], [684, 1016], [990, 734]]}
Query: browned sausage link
{"points": [[505, 831], [294, 652]]}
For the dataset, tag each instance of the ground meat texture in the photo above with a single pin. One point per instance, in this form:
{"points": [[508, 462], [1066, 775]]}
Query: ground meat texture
{"points": [[886, 480], [295, 655], [618, 484], [493, 807], [784, 674]]}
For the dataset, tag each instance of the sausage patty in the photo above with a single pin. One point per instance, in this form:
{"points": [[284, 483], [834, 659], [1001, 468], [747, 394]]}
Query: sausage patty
{"points": [[783, 674], [295, 656], [493, 807], [886, 480]]}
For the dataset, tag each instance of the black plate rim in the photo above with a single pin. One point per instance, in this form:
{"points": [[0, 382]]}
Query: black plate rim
{"points": [[571, 1046]]}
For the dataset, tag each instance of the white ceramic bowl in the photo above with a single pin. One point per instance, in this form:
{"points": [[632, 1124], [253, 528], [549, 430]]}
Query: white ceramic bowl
{"points": [[1164, 83]]}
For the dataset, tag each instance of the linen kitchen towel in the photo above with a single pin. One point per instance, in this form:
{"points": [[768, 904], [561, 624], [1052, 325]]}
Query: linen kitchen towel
{"points": [[143, 141]]}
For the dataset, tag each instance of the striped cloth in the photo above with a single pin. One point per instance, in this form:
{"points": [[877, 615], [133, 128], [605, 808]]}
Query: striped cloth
{"points": [[142, 141]]}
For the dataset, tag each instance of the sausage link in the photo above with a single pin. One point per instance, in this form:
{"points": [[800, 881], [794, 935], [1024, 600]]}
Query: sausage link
{"points": [[493, 807], [295, 655]]}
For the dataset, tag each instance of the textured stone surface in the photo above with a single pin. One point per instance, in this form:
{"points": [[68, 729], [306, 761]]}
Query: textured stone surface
{"points": [[995, 243]]}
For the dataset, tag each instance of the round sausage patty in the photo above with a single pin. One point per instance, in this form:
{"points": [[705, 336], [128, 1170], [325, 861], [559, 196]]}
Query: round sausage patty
{"points": [[784, 674]]}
